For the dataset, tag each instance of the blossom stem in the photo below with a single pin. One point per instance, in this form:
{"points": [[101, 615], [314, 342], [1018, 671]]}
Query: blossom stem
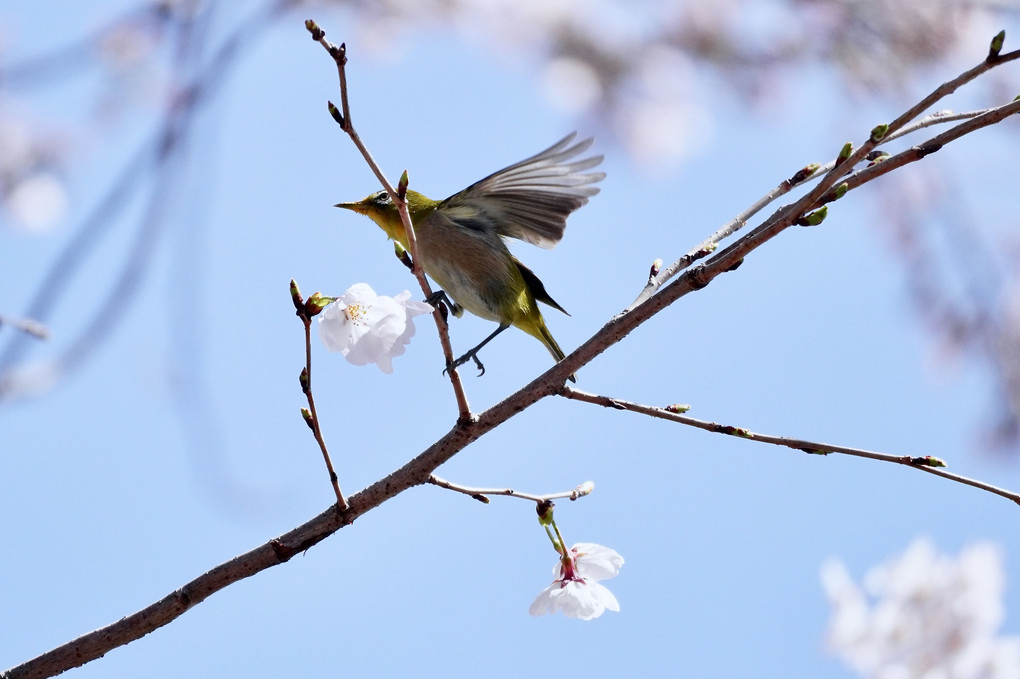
{"points": [[553, 540], [558, 542]]}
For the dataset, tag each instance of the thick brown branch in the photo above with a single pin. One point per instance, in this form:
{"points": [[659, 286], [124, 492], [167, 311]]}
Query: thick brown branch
{"points": [[95, 644]]}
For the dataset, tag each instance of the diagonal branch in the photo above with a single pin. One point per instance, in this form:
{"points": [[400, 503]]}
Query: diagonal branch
{"points": [[927, 463], [279, 550], [837, 170]]}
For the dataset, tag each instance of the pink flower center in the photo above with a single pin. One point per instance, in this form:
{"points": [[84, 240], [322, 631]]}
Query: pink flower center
{"points": [[568, 571]]}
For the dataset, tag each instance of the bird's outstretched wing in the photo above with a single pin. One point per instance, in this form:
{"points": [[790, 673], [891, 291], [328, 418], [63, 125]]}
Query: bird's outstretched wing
{"points": [[530, 200]]}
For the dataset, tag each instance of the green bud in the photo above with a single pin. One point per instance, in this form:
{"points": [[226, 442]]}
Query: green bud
{"points": [[402, 186], [877, 157], [737, 431], [813, 218], [402, 255], [545, 512], [996, 47], [803, 173], [307, 415], [706, 251], [879, 131], [313, 28], [316, 303], [303, 380], [335, 112], [815, 451], [679, 408], [929, 460], [844, 153], [840, 190], [295, 295]]}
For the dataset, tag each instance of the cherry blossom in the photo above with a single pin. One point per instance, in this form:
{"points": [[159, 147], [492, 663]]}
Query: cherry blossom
{"points": [[576, 592], [370, 328]]}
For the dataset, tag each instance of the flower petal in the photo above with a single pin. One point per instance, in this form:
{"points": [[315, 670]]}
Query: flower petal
{"points": [[543, 602], [577, 599], [596, 562]]}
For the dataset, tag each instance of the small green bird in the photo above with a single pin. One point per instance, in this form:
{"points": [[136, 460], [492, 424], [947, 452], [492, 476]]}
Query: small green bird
{"points": [[460, 239]]}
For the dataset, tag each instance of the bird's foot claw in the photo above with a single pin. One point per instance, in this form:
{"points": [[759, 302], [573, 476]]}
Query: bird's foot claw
{"points": [[472, 355], [440, 296], [436, 297]]}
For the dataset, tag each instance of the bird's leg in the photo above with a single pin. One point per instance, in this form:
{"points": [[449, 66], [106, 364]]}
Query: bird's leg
{"points": [[441, 296], [473, 354]]}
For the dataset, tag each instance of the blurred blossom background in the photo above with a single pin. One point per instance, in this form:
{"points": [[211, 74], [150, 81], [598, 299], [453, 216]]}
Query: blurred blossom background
{"points": [[167, 167], [923, 614]]}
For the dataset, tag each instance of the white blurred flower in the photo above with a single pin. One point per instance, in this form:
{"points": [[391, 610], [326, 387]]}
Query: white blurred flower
{"points": [[924, 615], [30, 380], [38, 201], [369, 328], [571, 85], [576, 592]]}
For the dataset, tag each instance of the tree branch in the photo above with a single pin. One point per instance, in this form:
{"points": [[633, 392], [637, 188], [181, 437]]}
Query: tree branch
{"points": [[927, 463], [791, 213], [481, 494]]}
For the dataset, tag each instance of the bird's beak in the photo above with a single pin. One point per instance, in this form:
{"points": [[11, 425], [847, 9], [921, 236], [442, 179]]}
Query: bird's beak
{"points": [[358, 207]]}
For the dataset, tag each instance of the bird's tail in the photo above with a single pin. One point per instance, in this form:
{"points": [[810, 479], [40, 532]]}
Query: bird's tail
{"points": [[541, 332]]}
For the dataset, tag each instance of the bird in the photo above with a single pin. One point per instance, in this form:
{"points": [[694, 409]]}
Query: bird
{"points": [[460, 240]]}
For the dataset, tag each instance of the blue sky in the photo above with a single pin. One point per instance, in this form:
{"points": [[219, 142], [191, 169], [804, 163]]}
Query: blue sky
{"points": [[179, 445]]}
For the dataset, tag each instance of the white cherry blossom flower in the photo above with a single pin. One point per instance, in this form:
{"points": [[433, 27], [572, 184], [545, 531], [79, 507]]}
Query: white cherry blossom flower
{"points": [[370, 328], [576, 592]]}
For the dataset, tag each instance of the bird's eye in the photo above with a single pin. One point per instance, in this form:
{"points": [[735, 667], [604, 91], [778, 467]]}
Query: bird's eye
{"points": [[382, 198]]}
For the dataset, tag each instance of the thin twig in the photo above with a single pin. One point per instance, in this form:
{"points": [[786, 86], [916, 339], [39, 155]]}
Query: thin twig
{"points": [[311, 416], [917, 152], [343, 118], [481, 494], [929, 464], [710, 244]]}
